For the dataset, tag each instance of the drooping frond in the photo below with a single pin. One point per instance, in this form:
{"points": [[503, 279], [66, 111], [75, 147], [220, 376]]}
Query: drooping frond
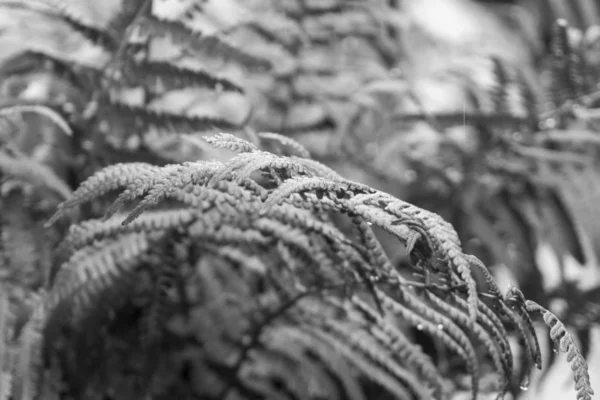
{"points": [[559, 334], [92, 270], [262, 222], [114, 177], [567, 68]]}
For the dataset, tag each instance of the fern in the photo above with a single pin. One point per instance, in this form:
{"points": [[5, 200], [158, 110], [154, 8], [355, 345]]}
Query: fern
{"points": [[6, 376], [21, 168], [559, 335], [290, 214]]}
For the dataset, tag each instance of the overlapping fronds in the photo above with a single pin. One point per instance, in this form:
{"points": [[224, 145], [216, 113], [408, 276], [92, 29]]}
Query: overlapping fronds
{"points": [[257, 233], [137, 82]]}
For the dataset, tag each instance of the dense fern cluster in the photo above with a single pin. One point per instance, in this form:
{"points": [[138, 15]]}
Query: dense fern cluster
{"points": [[243, 261]]}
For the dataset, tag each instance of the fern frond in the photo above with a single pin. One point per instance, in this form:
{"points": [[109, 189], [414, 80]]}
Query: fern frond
{"points": [[6, 332], [231, 142], [266, 238], [120, 118], [442, 238], [89, 271], [495, 345], [450, 335], [29, 361], [90, 231], [30, 171], [9, 110], [567, 80], [111, 178], [559, 334], [166, 277], [367, 367], [333, 362], [400, 345], [319, 169], [163, 76], [74, 11], [54, 36], [243, 165], [294, 148], [169, 181], [198, 43], [362, 343], [516, 298], [492, 324]]}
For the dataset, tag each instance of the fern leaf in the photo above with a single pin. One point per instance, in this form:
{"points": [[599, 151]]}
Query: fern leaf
{"points": [[567, 82], [6, 373], [120, 119], [327, 381], [90, 231], [559, 335], [243, 165], [367, 367], [495, 344], [492, 324], [163, 76], [51, 36], [165, 183], [31, 171], [334, 362], [294, 148], [215, 232], [108, 179], [91, 270], [359, 340], [456, 342], [528, 356], [167, 276], [231, 142], [71, 10], [448, 324], [40, 109], [442, 237], [319, 169], [202, 45], [241, 257], [28, 365], [399, 344]]}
